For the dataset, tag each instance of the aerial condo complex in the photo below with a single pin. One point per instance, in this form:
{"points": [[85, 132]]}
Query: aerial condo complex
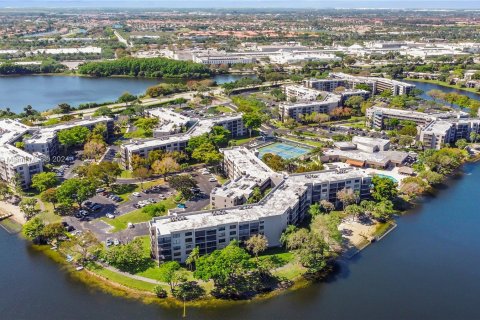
{"points": [[239, 160]]}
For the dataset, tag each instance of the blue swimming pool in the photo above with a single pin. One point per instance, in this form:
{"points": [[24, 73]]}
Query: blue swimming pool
{"points": [[284, 150], [387, 176]]}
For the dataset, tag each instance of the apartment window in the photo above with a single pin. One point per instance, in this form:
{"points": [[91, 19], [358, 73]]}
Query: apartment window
{"points": [[232, 233], [187, 234], [221, 229], [233, 227], [188, 239], [176, 235]]}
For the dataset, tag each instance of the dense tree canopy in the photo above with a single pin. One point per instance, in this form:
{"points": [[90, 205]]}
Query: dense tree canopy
{"points": [[145, 67]]}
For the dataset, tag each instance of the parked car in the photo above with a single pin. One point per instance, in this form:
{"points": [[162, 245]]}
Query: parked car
{"points": [[99, 190], [108, 242], [181, 205], [116, 242], [96, 207], [130, 225], [151, 200], [110, 216], [136, 194], [212, 179]]}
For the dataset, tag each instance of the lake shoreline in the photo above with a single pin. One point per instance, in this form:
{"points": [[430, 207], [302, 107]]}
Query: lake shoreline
{"points": [[443, 84]]}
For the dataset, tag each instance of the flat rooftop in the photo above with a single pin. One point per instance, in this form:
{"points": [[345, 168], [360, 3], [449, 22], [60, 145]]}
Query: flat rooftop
{"points": [[284, 196]]}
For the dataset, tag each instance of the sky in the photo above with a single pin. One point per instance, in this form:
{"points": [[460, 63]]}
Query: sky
{"points": [[397, 4]]}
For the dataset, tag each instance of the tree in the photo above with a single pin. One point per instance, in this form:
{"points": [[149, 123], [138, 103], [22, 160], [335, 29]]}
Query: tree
{"points": [[44, 180], [171, 273], [188, 291], [207, 153], [256, 195], [33, 228], [461, 143], [106, 172], [257, 244], [75, 191], [383, 210], [83, 247], [127, 257], [326, 226], [192, 258], [53, 230], [165, 166], [252, 121], [274, 161], [314, 210], [183, 183], [4, 190], [28, 207], [219, 136], [147, 124], [327, 206], [141, 174], [49, 195], [94, 149], [347, 196], [384, 188], [64, 108], [74, 136], [354, 102], [222, 265], [126, 97], [354, 210]]}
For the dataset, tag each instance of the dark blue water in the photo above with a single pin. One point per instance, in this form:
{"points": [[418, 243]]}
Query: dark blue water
{"points": [[46, 92], [427, 268]]}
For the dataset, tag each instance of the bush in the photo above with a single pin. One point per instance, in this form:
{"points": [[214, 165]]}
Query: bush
{"points": [[160, 292]]}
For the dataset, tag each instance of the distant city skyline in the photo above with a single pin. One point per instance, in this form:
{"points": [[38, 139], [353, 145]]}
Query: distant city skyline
{"points": [[374, 4]]}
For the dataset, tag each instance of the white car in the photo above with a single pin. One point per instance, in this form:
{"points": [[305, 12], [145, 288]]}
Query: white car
{"points": [[136, 194], [130, 225], [212, 179], [205, 173], [116, 242], [110, 216]]}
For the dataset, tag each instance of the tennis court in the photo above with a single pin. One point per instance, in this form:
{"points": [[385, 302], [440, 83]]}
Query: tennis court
{"points": [[284, 150]]}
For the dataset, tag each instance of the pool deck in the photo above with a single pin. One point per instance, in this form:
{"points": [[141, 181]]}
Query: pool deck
{"points": [[392, 173]]}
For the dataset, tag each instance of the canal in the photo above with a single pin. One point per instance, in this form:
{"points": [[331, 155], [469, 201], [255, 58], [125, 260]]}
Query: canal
{"points": [[427, 268], [45, 92]]}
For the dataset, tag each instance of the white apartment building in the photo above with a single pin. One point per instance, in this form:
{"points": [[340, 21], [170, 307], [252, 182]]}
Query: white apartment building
{"points": [[217, 60], [178, 142], [171, 122], [44, 139], [376, 116], [442, 132], [298, 110], [246, 172], [16, 165], [300, 92], [376, 84], [174, 237]]}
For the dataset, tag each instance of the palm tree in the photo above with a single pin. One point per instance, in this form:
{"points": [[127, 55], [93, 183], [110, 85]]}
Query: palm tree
{"points": [[192, 258]]}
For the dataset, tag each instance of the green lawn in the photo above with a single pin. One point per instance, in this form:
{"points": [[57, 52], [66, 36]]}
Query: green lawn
{"points": [[243, 140], [48, 215], [123, 280], [278, 256], [290, 271], [137, 134], [136, 216], [126, 174]]}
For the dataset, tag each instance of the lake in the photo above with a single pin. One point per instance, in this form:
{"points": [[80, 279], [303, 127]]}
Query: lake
{"points": [[425, 87], [46, 92], [427, 268]]}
